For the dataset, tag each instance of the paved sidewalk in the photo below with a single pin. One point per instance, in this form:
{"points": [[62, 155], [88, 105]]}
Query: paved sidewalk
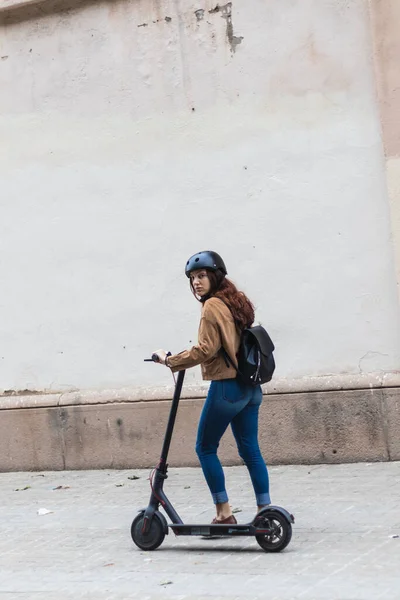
{"points": [[342, 545]]}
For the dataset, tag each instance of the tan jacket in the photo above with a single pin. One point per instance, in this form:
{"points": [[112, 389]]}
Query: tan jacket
{"points": [[217, 328]]}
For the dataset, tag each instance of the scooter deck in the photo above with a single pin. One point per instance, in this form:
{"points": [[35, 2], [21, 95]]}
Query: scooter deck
{"points": [[219, 530]]}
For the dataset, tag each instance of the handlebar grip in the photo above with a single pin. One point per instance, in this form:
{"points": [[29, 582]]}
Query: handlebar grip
{"points": [[155, 358]]}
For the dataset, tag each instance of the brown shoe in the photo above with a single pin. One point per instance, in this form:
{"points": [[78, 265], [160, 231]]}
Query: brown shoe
{"points": [[228, 521]]}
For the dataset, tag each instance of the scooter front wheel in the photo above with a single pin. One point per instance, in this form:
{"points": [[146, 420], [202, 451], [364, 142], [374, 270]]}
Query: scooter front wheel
{"points": [[153, 538], [280, 531]]}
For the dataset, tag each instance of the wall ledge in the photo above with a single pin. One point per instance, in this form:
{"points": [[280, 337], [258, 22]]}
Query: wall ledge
{"points": [[7, 5], [309, 384]]}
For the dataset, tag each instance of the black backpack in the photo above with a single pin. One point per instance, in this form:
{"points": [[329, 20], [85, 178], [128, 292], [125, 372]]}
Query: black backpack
{"points": [[256, 362]]}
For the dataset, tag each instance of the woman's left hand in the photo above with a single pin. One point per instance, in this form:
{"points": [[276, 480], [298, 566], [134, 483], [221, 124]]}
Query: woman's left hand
{"points": [[161, 355]]}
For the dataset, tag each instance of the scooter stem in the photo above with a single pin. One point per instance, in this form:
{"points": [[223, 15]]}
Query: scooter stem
{"points": [[171, 422]]}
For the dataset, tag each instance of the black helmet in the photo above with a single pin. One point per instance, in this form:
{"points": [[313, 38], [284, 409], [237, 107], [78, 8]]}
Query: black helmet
{"points": [[205, 260]]}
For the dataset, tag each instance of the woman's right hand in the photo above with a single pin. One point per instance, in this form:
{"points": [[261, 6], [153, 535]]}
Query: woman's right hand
{"points": [[162, 355]]}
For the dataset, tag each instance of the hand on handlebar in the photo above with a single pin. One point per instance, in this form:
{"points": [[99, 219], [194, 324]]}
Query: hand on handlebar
{"points": [[160, 355]]}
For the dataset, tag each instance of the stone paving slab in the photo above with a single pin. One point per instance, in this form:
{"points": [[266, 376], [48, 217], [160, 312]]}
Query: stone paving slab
{"points": [[342, 544]]}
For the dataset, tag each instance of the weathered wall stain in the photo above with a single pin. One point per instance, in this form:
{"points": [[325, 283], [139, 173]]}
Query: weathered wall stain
{"points": [[216, 9], [325, 72], [226, 13], [385, 15], [385, 20], [25, 392], [199, 14], [166, 19]]}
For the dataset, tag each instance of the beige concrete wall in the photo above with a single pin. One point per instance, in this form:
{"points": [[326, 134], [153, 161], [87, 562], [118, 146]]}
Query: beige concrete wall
{"points": [[132, 134], [385, 21], [106, 169], [304, 428]]}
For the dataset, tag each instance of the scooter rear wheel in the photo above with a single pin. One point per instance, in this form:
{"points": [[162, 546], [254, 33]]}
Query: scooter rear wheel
{"points": [[281, 532], [153, 538]]}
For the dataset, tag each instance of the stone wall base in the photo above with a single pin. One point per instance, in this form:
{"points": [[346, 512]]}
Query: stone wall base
{"points": [[318, 427]]}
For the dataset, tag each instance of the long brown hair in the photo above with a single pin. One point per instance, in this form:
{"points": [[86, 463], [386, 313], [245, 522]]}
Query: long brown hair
{"points": [[238, 303]]}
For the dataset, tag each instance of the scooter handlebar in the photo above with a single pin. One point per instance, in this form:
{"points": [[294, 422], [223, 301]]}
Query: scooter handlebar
{"points": [[155, 358]]}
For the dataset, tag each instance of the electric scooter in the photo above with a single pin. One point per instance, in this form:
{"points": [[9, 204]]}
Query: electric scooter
{"points": [[272, 526]]}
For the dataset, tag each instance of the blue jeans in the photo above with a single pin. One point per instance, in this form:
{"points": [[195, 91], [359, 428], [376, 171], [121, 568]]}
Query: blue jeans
{"points": [[230, 402]]}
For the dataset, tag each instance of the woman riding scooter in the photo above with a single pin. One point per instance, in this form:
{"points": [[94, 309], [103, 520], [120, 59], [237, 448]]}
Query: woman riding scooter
{"points": [[225, 313]]}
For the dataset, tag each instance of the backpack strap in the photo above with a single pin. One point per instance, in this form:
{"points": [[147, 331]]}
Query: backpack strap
{"points": [[228, 360]]}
